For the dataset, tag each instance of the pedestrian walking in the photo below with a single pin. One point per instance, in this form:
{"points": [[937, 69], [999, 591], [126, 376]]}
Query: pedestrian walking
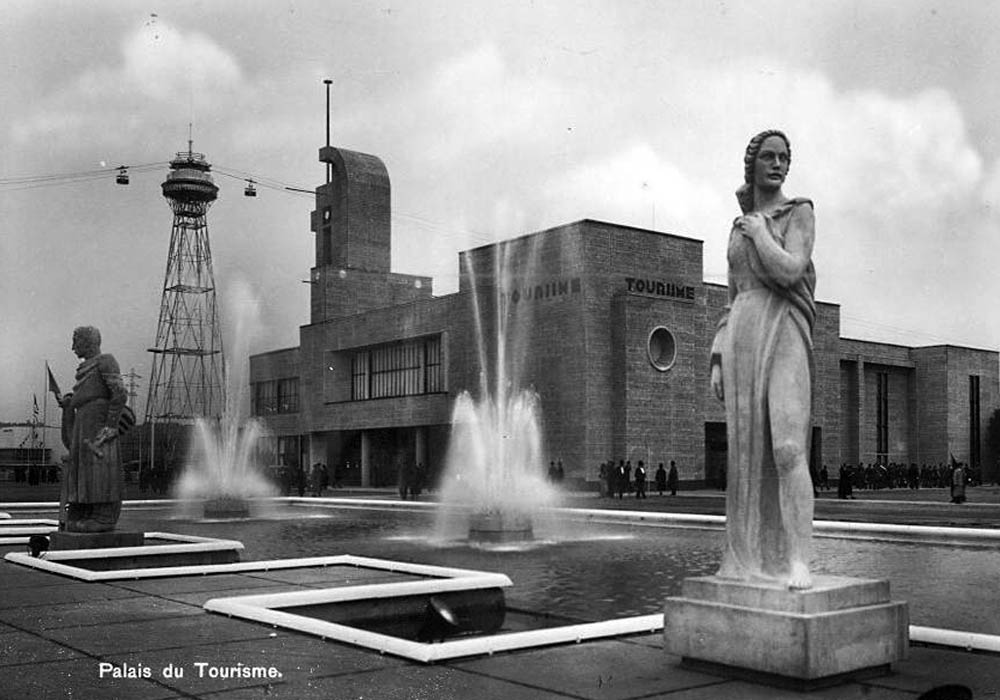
{"points": [[672, 479], [320, 478], [958, 484], [661, 479], [640, 480]]}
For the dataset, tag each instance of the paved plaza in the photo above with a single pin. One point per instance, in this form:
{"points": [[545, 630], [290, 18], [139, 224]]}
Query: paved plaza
{"points": [[151, 639]]}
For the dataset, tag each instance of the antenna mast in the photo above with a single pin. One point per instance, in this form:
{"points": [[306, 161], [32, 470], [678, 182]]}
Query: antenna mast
{"points": [[327, 82]]}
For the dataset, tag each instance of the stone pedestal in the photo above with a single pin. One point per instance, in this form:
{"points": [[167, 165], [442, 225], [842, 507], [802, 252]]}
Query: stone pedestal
{"points": [[500, 528], [840, 629], [226, 508], [95, 540]]}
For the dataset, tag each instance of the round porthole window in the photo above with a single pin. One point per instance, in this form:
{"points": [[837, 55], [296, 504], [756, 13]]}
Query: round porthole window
{"points": [[661, 348]]}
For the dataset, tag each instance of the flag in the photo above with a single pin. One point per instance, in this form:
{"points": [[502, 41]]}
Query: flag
{"points": [[33, 434], [53, 386], [126, 421]]}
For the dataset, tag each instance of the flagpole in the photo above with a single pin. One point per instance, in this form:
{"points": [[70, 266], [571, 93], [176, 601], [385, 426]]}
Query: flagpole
{"points": [[45, 408], [33, 468]]}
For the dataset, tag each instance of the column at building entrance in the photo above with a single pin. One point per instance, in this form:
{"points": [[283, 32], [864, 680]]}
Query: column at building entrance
{"points": [[366, 458], [862, 416], [420, 446], [317, 449]]}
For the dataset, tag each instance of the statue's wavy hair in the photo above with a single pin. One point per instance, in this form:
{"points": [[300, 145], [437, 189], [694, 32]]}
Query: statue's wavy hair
{"points": [[745, 192]]}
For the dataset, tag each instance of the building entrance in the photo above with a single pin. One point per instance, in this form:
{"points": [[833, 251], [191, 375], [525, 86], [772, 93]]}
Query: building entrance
{"points": [[816, 453], [716, 448]]}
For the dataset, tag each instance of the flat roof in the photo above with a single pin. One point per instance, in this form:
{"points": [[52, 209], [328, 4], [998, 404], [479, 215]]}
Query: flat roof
{"points": [[584, 222]]}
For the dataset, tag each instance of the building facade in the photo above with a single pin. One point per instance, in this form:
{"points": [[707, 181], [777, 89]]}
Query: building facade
{"points": [[611, 325], [26, 447]]}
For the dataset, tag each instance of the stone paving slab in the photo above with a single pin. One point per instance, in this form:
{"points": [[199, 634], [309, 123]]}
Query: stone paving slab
{"points": [[167, 633], [100, 612], [67, 592], [25, 648], [198, 599], [602, 670], [54, 623], [650, 640], [334, 576], [78, 679], [737, 690], [166, 586], [299, 659], [404, 683], [927, 668], [16, 576]]}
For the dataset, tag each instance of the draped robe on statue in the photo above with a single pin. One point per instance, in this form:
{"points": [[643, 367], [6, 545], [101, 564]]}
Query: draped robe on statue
{"points": [[92, 485], [767, 330]]}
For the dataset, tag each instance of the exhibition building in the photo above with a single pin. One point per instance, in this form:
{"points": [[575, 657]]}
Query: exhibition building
{"points": [[610, 325]]}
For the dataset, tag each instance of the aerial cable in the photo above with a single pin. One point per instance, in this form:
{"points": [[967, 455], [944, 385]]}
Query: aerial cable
{"points": [[85, 173], [14, 184]]}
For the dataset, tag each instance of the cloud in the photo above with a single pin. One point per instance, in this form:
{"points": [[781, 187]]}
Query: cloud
{"points": [[166, 64], [472, 106], [162, 74], [899, 192], [902, 196], [898, 186], [488, 144], [477, 102], [898, 155], [635, 186], [990, 191]]}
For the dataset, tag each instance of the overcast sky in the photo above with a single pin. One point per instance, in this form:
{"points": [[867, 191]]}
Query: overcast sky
{"points": [[494, 119]]}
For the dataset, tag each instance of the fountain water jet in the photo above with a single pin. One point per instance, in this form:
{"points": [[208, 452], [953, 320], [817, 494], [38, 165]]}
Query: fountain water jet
{"points": [[496, 461], [495, 466], [222, 474]]}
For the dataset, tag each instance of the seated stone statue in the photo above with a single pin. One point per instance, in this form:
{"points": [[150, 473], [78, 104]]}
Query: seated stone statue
{"points": [[92, 482]]}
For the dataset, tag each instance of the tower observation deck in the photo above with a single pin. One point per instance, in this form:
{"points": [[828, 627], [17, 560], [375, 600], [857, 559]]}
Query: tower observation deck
{"points": [[186, 381]]}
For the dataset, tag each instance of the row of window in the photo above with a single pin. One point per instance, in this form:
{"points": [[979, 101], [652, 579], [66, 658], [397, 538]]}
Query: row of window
{"points": [[275, 396], [401, 369], [975, 453], [415, 367], [882, 418], [288, 450]]}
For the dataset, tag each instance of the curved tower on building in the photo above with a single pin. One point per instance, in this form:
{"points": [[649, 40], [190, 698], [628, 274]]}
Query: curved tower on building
{"points": [[187, 379]]}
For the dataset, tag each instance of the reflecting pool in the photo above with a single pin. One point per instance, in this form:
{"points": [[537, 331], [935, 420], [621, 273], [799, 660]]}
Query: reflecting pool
{"points": [[588, 571]]}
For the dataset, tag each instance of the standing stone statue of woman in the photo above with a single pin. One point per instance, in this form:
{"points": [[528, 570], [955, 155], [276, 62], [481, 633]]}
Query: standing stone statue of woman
{"points": [[92, 482], [762, 369]]}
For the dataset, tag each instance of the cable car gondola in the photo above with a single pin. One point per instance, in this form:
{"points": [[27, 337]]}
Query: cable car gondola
{"points": [[250, 190], [122, 177]]}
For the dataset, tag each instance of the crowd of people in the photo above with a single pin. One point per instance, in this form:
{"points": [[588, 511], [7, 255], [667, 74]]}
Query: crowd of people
{"points": [[156, 480], [896, 475], [617, 480], [412, 480], [556, 472], [35, 474]]}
